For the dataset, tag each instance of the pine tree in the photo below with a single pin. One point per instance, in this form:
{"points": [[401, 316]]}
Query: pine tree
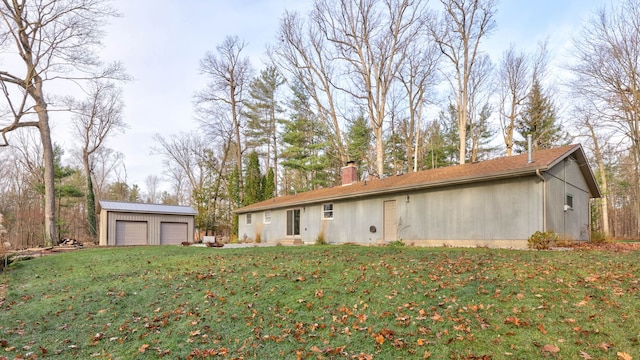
{"points": [[263, 112], [253, 190], [440, 142], [481, 134], [359, 141], [304, 156], [538, 120], [269, 188]]}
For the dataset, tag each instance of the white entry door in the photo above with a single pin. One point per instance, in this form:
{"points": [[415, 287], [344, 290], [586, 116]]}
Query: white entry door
{"points": [[390, 232]]}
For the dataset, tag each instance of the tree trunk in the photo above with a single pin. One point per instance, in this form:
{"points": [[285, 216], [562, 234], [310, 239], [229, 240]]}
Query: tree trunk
{"points": [[90, 197], [379, 151], [50, 231], [462, 131]]}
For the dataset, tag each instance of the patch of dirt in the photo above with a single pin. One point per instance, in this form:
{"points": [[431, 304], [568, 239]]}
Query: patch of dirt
{"points": [[608, 246]]}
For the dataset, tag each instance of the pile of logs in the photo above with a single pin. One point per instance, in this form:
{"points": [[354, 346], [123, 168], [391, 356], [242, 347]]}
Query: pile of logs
{"points": [[69, 242]]}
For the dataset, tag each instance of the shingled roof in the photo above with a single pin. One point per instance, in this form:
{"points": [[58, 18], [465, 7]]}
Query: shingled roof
{"points": [[499, 168]]}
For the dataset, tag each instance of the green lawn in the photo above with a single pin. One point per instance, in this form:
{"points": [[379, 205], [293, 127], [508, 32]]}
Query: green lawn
{"points": [[323, 302]]}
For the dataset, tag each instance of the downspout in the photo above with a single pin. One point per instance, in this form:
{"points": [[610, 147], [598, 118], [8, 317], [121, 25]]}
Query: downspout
{"points": [[544, 200]]}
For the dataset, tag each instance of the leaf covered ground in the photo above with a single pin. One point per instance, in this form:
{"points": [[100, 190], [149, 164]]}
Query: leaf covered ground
{"points": [[323, 302]]}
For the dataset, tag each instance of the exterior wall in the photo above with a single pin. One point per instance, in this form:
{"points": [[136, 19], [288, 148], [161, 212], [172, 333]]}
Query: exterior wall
{"points": [[108, 225], [566, 178], [102, 235], [498, 213]]}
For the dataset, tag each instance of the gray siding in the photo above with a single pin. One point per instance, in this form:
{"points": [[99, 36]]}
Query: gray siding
{"points": [[467, 214], [566, 178], [108, 225]]}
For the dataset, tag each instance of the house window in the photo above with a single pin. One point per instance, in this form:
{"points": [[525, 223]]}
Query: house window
{"points": [[267, 217], [248, 219], [293, 222], [327, 211], [569, 202]]}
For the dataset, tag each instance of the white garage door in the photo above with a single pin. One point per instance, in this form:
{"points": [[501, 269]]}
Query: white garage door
{"points": [[173, 233], [131, 232]]}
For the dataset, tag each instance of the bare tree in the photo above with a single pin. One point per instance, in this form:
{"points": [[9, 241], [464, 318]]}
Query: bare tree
{"points": [[229, 76], [513, 83], [53, 40], [371, 38], [587, 120], [151, 182], [96, 118], [181, 152], [106, 162], [418, 76], [479, 110], [463, 25], [304, 54], [607, 75]]}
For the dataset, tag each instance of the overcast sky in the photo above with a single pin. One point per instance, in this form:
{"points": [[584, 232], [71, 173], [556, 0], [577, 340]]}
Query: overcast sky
{"points": [[161, 43]]}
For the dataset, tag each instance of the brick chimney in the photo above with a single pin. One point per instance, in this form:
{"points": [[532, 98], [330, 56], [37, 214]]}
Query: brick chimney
{"points": [[349, 173]]}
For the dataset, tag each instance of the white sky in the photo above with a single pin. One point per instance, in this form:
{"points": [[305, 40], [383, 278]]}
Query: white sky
{"points": [[161, 43]]}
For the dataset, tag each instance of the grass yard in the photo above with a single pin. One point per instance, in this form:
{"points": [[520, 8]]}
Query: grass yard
{"points": [[323, 302]]}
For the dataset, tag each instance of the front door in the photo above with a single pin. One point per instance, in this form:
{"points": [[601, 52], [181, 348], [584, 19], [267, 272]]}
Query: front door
{"points": [[390, 219]]}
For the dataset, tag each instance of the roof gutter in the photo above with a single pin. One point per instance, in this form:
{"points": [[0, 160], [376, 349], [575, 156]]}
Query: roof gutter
{"points": [[544, 200]]}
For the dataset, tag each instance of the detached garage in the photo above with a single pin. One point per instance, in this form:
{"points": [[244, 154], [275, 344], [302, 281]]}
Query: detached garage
{"points": [[124, 223]]}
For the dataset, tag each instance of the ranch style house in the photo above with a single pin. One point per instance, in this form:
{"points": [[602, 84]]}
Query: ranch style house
{"points": [[495, 203]]}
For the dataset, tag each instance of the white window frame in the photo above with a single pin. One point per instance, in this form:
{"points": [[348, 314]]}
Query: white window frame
{"points": [[327, 214], [267, 217], [248, 219]]}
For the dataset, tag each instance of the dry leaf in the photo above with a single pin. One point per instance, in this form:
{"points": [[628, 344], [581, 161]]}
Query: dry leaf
{"points": [[624, 356], [143, 348], [550, 348], [541, 328], [585, 356], [604, 346]]}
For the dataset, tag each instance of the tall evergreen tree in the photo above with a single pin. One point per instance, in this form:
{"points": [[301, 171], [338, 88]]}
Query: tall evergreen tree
{"points": [[441, 140], [481, 134], [539, 120], [304, 156], [269, 187], [253, 190], [359, 143], [263, 112], [439, 144]]}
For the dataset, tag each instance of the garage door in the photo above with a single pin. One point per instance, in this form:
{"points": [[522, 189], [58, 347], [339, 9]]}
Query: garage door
{"points": [[131, 232], [173, 233]]}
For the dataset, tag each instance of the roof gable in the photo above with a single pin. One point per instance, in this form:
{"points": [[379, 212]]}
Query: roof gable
{"points": [[146, 208], [504, 167]]}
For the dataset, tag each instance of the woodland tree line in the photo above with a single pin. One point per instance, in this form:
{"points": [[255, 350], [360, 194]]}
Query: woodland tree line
{"points": [[394, 85]]}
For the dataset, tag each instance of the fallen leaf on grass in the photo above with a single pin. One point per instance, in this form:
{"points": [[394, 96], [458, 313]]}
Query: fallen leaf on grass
{"points": [[541, 328], [624, 356], [143, 348], [550, 348], [437, 317], [604, 346]]}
